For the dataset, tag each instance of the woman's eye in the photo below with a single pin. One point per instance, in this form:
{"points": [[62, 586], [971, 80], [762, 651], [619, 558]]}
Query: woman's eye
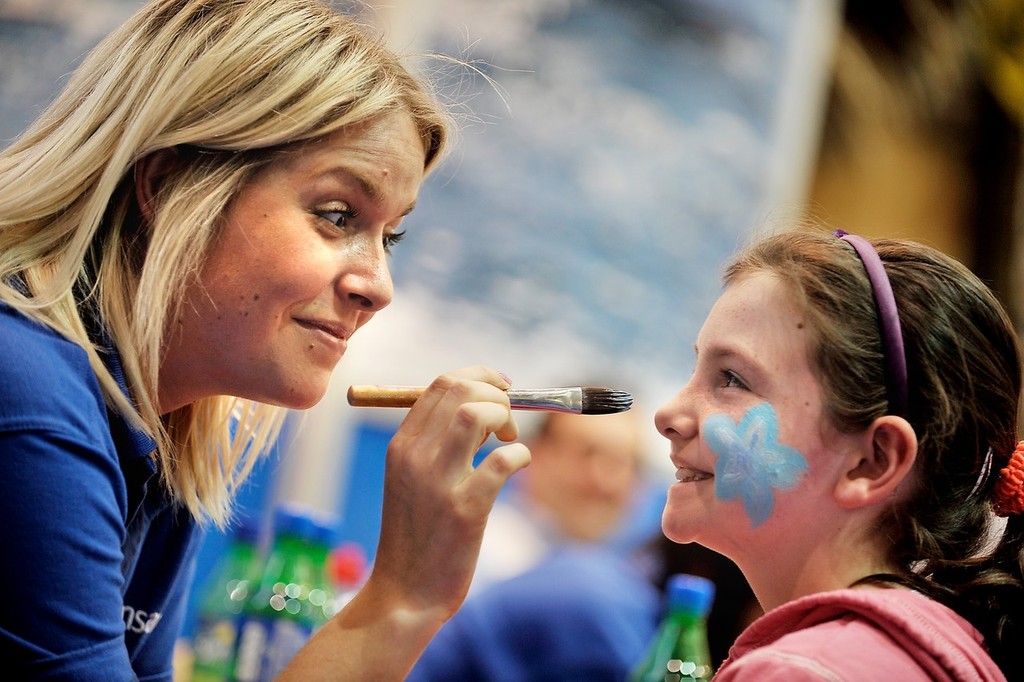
{"points": [[337, 217], [390, 240]]}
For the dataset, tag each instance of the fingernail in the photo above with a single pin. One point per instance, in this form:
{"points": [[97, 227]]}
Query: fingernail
{"points": [[505, 377]]}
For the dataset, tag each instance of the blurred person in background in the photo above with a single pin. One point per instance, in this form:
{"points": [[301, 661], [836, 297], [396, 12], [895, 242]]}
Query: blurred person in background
{"points": [[586, 613], [570, 584], [585, 480], [190, 234]]}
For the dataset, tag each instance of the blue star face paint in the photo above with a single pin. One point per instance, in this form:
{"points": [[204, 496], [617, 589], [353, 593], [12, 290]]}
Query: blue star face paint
{"points": [[752, 464]]}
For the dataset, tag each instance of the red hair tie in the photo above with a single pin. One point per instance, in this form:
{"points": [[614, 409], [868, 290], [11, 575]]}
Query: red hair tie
{"points": [[1009, 489]]}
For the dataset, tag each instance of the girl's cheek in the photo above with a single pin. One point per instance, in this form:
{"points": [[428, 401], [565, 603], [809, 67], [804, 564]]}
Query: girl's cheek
{"points": [[752, 464]]}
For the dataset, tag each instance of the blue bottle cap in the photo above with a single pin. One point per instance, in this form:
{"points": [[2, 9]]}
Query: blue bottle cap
{"points": [[291, 519], [691, 593], [302, 521], [325, 528]]}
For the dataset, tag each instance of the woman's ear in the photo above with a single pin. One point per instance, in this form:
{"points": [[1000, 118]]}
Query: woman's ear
{"points": [[150, 170], [876, 469]]}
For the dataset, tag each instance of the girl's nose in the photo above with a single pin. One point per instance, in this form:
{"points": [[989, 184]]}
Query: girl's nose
{"points": [[677, 419]]}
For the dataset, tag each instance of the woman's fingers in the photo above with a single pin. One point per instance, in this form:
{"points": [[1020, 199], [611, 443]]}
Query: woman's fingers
{"points": [[436, 504], [465, 385], [471, 424], [453, 418], [487, 480]]}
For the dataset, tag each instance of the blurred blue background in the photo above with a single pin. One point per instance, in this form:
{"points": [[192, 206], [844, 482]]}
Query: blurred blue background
{"points": [[612, 155]]}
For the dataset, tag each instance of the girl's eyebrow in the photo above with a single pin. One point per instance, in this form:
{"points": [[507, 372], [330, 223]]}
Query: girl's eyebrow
{"points": [[718, 352]]}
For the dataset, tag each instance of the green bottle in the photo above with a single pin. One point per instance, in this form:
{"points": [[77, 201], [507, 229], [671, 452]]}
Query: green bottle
{"points": [[282, 614], [321, 596], [679, 650], [218, 620]]}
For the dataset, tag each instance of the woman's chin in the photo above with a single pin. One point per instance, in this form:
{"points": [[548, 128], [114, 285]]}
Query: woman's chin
{"points": [[304, 401], [290, 396]]}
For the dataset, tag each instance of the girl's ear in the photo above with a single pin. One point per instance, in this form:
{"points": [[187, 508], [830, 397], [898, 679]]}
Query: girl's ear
{"points": [[149, 171], [875, 470]]}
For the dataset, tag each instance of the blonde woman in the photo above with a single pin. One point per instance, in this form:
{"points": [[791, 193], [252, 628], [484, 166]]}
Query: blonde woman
{"points": [[189, 236]]}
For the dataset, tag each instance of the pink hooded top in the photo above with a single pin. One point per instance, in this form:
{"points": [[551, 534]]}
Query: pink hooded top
{"points": [[860, 634]]}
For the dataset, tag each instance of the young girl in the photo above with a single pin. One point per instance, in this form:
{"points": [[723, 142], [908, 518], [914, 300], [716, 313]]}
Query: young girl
{"points": [[189, 237], [846, 438]]}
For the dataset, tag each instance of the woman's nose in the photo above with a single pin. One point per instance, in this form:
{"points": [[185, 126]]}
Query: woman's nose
{"points": [[366, 279]]}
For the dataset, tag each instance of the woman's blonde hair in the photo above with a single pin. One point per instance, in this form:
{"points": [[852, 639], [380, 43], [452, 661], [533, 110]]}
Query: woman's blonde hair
{"points": [[227, 84]]}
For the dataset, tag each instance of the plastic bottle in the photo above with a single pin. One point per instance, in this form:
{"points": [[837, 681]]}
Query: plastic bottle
{"points": [[322, 594], [288, 607], [679, 650], [218, 620]]}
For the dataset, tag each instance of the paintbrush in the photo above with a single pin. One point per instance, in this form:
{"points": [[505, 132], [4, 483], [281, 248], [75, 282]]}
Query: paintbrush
{"points": [[575, 399]]}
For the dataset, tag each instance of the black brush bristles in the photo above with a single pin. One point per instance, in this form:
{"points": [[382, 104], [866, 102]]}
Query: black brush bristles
{"points": [[605, 400]]}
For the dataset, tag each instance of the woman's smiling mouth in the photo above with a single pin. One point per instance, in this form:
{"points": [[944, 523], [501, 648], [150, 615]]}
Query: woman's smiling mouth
{"points": [[331, 329], [328, 335]]}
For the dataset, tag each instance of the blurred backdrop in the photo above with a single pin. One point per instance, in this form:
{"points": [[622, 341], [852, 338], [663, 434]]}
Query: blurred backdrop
{"points": [[612, 155]]}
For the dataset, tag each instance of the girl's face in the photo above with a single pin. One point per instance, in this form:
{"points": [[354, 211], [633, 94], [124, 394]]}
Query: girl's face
{"points": [[748, 439], [300, 264]]}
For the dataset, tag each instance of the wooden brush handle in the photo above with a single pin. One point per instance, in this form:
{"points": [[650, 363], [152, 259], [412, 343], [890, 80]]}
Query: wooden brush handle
{"points": [[563, 399], [383, 396]]}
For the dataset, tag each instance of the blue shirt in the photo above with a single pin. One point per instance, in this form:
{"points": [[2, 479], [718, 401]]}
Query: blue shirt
{"points": [[584, 613], [97, 560]]}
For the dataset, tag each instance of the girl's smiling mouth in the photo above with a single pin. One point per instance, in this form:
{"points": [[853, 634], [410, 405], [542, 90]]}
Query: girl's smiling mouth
{"points": [[688, 475]]}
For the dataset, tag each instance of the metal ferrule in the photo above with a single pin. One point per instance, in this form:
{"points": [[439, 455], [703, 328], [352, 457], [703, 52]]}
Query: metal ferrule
{"points": [[550, 399]]}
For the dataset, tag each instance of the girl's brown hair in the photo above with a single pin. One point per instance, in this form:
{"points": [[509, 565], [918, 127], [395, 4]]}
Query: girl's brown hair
{"points": [[964, 376]]}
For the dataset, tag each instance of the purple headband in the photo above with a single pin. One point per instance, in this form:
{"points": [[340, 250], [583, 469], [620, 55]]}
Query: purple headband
{"points": [[888, 320]]}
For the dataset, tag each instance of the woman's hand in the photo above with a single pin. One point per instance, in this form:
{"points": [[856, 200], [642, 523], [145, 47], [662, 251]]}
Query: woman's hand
{"points": [[435, 503], [435, 509]]}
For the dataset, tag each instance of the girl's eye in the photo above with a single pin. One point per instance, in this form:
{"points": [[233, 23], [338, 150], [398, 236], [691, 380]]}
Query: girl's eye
{"points": [[732, 380], [390, 240]]}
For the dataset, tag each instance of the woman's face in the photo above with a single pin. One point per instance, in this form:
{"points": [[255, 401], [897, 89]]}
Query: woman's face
{"points": [[299, 266], [747, 434]]}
